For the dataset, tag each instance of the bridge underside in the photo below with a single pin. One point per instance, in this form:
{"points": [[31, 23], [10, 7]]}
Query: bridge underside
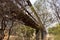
{"points": [[11, 11]]}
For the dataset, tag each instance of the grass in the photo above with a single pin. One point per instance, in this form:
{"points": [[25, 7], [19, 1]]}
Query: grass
{"points": [[57, 37]]}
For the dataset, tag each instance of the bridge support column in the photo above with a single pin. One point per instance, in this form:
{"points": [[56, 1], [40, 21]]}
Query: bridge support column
{"points": [[41, 35]]}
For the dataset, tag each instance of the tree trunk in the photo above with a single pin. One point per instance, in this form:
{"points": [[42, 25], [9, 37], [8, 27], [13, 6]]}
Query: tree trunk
{"points": [[6, 34], [1, 34], [38, 35]]}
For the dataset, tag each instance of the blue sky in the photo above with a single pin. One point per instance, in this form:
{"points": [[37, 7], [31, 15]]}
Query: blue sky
{"points": [[33, 1]]}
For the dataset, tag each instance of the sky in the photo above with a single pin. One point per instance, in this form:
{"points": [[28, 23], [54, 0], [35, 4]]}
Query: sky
{"points": [[33, 1]]}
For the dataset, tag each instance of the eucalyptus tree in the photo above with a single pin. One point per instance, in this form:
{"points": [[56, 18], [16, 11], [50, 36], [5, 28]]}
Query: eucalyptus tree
{"points": [[55, 7]]}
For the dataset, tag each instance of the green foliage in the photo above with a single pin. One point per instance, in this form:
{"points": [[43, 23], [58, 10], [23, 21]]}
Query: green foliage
{"points": [[55, 30], [22, 31], [25, 30]]}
